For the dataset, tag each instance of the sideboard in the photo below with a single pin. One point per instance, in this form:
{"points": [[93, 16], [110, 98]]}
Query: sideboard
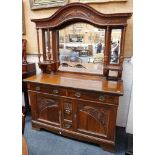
{"points": [[79, 102], [78, 106]]}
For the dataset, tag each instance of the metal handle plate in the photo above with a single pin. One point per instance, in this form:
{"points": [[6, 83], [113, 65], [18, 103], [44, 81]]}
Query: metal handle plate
{"points": [[67, 111], [37, 88], [101, 98], [55, 91], [78, 94]]}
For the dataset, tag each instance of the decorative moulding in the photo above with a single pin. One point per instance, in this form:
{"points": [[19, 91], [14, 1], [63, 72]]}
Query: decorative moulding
{"points": [[43, 4]]}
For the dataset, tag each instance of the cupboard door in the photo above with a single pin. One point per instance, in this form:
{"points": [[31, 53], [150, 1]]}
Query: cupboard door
{"points": [[96, 119], [46, 108]]}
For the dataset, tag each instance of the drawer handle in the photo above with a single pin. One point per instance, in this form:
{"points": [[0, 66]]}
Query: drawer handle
{"points": [[68, 126], [55, 91], [78, 94], [38, 89], [67, 111], [101, 98]]}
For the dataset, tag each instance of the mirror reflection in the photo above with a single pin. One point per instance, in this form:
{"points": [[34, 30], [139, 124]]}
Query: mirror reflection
{"points": [[81, 48], [48, 45], [115, 46]]}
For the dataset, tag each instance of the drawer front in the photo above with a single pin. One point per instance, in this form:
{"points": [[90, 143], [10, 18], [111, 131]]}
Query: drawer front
{"points": [[48, 89], [93, 96]]}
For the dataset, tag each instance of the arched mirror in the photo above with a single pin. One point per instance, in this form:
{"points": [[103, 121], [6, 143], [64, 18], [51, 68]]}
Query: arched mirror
{"points": [[79, 39], [81, 48]]}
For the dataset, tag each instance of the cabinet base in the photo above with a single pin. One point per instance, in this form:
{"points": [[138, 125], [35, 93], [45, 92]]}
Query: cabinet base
{"points": [[105, 144]]}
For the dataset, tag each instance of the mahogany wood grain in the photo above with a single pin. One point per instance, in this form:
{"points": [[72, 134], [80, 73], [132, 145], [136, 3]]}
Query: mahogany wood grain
{"points": [[84, 82], [81, 107]]}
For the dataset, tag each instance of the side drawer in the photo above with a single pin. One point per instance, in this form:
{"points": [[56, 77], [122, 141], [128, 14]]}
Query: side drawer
{"points": [[47, 89], [93, 96]]}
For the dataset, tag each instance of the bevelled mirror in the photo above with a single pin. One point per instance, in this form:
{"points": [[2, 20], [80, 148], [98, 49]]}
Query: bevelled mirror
{"points": [[115, 46], [81, 48]]}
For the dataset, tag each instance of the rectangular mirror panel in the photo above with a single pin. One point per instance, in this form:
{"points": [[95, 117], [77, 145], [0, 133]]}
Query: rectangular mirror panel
{"points": [[115, 46]]}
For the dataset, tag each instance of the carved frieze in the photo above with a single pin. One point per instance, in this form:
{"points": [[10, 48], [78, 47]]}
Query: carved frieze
{"points": [[76, 12]]}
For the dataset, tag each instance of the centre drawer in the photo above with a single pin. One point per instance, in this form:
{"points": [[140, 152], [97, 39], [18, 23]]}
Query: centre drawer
{"points": [[92, 96], [47, 89]]}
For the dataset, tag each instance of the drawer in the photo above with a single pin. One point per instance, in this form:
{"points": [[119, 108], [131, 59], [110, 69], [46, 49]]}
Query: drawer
{"points": [[48, 89], [92, 96], [67, 125]]}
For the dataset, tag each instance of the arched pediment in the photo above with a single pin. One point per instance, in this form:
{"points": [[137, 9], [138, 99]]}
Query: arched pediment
{"points": [[79, 12]]}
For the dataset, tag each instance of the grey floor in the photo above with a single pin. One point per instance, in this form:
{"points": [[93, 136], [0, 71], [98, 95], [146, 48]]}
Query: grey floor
{"points": [[46, 143]]}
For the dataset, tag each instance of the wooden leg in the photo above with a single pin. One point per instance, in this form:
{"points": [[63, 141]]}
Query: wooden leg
{"points": [[36, 128], [108, 147]]}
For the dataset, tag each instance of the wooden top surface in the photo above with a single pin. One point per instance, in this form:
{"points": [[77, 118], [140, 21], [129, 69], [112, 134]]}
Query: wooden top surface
{"points": [[86, 82]]}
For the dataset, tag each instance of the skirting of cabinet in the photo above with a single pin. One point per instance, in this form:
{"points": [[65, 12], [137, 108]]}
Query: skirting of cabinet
{"points": [[105, 144]]}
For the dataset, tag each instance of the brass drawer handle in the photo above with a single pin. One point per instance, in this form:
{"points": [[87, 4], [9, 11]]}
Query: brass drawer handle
{"points": [[78, 94], [37, 88], [55, 91], [67, 111], [101, 98], [68, 126]]}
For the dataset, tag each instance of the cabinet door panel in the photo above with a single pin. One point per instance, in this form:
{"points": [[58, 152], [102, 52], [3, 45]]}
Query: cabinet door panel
{"points": [[95, 119], [47, 108]]}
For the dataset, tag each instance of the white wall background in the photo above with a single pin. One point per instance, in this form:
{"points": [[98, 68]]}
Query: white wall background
{"points": [[122, 115], [129, 126], [123, 109]]}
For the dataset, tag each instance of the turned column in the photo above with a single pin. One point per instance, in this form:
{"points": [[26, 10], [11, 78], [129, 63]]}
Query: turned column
{"points": [[107, 50], [49, 47], [121, 58], [55, 47], [43, 45]]}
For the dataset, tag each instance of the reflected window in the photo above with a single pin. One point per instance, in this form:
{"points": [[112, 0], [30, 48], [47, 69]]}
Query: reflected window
{"points": [[115, 46], [81, 48]]}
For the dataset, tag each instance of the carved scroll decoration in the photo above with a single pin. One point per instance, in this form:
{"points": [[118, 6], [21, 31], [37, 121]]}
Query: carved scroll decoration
{"points": [[76, 12], [43, 103], [98, 114]]}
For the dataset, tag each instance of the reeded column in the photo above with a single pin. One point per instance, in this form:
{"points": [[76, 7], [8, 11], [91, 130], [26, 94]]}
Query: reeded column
{"points": [[107, 50], [43, 45]]}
